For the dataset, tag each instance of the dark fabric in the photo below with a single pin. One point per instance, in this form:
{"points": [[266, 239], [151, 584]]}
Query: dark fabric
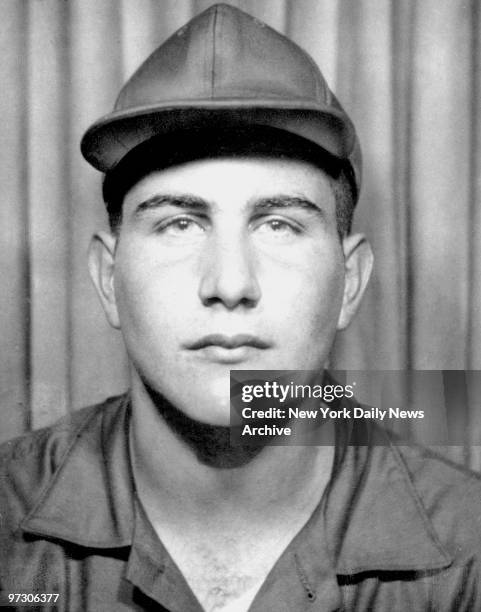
{"points": [[398, 529]]}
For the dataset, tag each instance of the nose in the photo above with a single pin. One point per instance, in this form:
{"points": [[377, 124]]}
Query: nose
{"points": [[228, 275]]}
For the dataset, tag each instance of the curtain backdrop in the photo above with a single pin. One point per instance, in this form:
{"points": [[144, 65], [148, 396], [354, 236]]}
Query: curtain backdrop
{"points": [[408, 72]]}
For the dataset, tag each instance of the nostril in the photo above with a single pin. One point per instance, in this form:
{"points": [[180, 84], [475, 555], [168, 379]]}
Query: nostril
{"points": [[230, 304]]}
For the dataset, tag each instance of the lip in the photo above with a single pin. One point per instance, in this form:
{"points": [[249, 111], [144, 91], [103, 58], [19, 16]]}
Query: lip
{"points": [[229, 343], [222, 348]]}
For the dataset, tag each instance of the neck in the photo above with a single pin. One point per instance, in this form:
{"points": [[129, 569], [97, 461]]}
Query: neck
{"points": [[181, 465]]}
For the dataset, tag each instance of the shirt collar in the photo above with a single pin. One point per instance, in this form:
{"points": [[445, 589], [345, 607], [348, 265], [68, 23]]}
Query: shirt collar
{"points": [[371, 519], [89, 498], [375, 520]]}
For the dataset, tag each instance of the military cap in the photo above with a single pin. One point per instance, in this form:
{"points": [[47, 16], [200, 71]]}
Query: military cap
{"points": [[224, 67]]}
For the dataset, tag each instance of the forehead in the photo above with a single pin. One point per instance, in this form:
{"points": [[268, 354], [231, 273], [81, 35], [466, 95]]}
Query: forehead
{"points": [[236, 180]]}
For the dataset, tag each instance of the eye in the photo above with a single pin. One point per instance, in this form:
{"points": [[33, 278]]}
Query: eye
{"points": [[181, 227], [278, 228]]}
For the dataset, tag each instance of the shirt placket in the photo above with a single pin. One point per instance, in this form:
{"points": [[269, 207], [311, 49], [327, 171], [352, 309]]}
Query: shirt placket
{"points": [[151, 569], [304, 578]]}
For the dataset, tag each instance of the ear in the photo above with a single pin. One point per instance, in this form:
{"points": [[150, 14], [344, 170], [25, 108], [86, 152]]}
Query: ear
{"points": [[101, 260], [358, 260]]}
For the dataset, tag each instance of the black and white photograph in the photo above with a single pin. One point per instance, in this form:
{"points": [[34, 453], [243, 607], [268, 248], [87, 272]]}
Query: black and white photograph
{"points": [[240, 305]]}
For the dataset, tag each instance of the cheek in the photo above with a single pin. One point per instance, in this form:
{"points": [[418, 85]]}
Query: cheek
{"points": [[143, 290], [310, 291], [315, 323]]}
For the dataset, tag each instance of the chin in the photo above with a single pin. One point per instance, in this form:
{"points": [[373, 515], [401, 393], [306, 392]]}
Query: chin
{"points": [[211, 413], [213, 407]]}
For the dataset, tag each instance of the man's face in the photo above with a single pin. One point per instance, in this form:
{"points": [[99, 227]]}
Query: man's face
{"points": [[227, 263]]}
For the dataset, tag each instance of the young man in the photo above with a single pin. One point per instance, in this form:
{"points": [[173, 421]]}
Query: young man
{"points": [[231, 176]]}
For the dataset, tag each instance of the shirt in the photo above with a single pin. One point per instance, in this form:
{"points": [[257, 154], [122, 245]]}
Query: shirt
{"points": [[398, 529]]}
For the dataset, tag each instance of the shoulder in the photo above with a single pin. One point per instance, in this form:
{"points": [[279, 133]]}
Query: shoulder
{"points": [[28, 462], [450, 496]]}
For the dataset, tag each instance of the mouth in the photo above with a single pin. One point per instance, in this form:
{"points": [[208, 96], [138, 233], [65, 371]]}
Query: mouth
{"points": [[228, 342], [228, 349]]}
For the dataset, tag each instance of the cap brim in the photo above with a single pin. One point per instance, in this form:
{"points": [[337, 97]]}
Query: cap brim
{"points": [[111, 138]]}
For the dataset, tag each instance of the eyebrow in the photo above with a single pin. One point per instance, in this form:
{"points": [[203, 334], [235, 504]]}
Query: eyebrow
{"points": [[180, 201], [284, 201], [198, 204]]}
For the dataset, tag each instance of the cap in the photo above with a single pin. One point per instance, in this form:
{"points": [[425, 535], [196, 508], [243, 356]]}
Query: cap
{"points": [[224, 67]]}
